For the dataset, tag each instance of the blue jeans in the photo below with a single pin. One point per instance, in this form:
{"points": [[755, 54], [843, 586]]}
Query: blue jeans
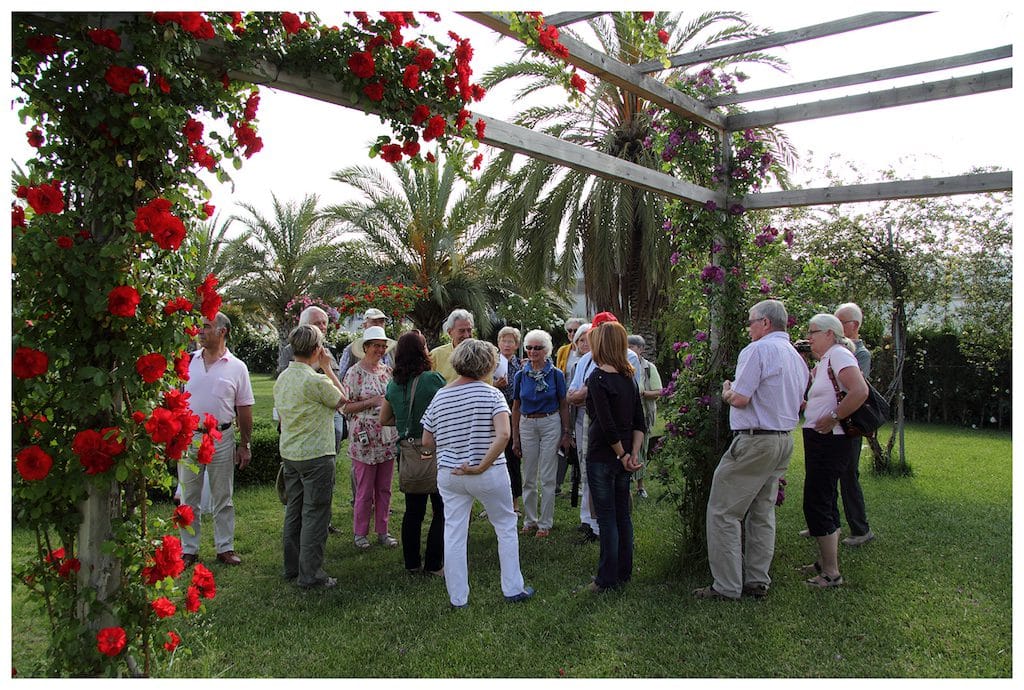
{"points": [[609, 491]]}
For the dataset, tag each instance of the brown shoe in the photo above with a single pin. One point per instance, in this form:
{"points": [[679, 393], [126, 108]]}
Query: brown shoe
{"points": [[189, 559], [229, 558]]}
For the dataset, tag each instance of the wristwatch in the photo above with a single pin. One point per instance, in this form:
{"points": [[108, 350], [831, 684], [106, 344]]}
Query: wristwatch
{"points": [[834, 415], [245, 445]]}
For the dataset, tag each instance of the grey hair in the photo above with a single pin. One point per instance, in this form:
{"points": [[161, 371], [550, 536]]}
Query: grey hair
{"points": [[828, 322], [575, 322], [855, 313], [458, 315], [512, 331], [474, 358], [307, 314], [637, 341], [539, 336], [775, 312], [221, 320], [305, 339]]}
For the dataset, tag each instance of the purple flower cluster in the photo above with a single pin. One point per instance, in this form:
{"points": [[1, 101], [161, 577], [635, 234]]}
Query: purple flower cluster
{"points": [[713, 274], [766, 236]]}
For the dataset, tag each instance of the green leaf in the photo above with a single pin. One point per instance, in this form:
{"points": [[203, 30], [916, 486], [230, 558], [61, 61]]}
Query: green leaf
{"points": [[139, 123], [121, 472]]}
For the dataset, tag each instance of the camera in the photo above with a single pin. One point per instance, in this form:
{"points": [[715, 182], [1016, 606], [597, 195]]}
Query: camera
{"points": [[802, 346]]}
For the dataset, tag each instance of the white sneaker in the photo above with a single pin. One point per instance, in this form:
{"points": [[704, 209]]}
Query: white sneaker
{"points": [[859, 540], [805, 533]]}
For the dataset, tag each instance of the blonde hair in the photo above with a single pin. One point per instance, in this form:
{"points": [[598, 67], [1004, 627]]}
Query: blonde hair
{"points": [[828, 322], [608, 346]]}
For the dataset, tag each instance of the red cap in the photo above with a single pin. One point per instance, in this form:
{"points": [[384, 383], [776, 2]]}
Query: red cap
{"points": [[602, 317]]}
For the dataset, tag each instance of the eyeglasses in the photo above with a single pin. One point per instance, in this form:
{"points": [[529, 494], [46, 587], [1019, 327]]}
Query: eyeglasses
{"points": [[533, 347], [810, 333], [849, 321], [751, 322]]}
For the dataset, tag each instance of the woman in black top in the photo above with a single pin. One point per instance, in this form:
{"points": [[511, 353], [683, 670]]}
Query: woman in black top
{"points": [[615, 437]]}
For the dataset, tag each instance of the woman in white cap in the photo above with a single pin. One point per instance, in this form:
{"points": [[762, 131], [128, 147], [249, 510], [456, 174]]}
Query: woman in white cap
{"points": [[371, 446]]}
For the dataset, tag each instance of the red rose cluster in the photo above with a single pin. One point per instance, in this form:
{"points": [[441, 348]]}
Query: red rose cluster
{"points": [[96, 450], [202, 585], [209, 300], [120, 79], [173, 423], [33, 463], [64, 566], [151, 367], [193, 22], [156, 219], [45, 198], [123, 301], [29, 363], [166, 561]]}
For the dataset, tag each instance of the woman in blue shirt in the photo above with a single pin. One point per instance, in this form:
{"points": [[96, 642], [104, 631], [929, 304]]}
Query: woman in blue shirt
{"points": [[540, 424]]}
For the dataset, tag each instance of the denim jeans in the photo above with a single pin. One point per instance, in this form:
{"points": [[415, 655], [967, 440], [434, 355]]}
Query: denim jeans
{"points": [[412, 528], [609, 491]]}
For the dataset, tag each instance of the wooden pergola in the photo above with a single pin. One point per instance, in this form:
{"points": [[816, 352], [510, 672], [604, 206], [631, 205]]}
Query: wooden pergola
{"points": [[636, 79]]}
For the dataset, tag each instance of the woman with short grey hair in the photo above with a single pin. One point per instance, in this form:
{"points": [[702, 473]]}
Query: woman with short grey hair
{"points": [[468, 424], [540, 424]]}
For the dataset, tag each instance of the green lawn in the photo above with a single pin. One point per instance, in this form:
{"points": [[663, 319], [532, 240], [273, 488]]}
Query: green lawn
{"points": [[931, 597]]}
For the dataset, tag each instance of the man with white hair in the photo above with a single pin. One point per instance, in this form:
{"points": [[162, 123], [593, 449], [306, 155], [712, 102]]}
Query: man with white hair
{"points": [[459, 327]]}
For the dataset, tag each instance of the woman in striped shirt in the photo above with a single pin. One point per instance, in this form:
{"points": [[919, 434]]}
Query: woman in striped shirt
{"points": [[468, 424]]}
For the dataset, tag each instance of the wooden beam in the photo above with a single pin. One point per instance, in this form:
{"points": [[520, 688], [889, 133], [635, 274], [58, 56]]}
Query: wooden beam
{"points": [[875, 100], [781, 38], [564, 18], [617, 73], [907, 189], [868, 77]]}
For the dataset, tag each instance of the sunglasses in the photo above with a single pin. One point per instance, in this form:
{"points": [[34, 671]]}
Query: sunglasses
{"points": [[533, 347]]}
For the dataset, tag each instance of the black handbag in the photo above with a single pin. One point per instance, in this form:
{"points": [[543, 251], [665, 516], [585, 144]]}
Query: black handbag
{"points": [[866, 419]]}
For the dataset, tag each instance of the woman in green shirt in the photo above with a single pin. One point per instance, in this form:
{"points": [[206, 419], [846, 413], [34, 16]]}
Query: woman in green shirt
{"points": [[412, 374]]}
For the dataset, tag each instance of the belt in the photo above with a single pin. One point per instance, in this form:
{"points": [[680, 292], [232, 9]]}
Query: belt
{"points": [[540, 415], [224, 427], [758, 432]]}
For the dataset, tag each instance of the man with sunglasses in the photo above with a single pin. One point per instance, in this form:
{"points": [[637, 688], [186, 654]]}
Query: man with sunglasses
{"points": [[764, 407]]}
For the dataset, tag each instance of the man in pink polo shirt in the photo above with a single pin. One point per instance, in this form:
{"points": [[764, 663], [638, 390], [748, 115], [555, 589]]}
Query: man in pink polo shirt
{"points": [[218, 384]]}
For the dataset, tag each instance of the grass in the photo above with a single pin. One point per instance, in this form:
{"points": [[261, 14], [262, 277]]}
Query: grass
{"points": [[930, 597]]}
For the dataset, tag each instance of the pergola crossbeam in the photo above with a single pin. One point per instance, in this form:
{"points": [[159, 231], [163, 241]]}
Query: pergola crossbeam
{"points": [[617, 73], [876, 100], [775, 40], [565, 18], [875, 76], [881, 191]]}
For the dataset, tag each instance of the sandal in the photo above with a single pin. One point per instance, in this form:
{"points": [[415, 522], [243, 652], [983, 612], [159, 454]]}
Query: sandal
{"points": [[387, 540], [362, 542], [811, 569], [823, 581]]}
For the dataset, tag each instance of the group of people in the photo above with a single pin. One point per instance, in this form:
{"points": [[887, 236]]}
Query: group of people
{"points": [[771, 388], [496, 426]]}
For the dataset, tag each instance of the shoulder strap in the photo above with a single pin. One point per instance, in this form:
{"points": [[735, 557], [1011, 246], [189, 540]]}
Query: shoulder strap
{"points": [[408, 406], [835, 384]]}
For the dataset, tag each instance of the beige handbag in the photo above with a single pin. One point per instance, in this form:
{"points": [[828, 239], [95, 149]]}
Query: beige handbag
{"points": [[417, 466]]}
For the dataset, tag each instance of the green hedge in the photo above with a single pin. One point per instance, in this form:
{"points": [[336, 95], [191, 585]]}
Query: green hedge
{"points": [[266, 459]]}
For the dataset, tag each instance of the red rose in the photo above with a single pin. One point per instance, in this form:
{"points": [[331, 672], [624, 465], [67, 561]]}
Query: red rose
{"points": [[65, 242], [252, 103], [177, 304], [193, 131], [163, 607], [161, 83], [163, 425], [173, 640], [210, 301], [33, 463], [29, 363], [430, 158], [211, 425], [107, 38], [96, 450], [424, 58], [208, 209], [411, 148], [17, 216], [138, 416], [151, 367], [579, 83], [183, 516], [176, 400], [111, 641], [46, 198], [647, 16], [374, 91], [391, 153], [292, 23], [42, 45], [206, 448], [119, 79], [123, 301], [361, 65], [663, 36], [477, 161], [167, 557], [35, 137], [478, 92], [181, 363], [192, 599], [435, 128], [168, 231], [420, 114], [202, 580], [411, 77], [481, 126], [461, 119], [72, 565]]}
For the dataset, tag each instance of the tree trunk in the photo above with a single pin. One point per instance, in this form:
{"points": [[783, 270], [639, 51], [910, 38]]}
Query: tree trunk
{"points": [[100, 572]]}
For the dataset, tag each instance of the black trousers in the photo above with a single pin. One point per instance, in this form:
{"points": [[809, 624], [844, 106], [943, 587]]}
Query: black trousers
{"points": [[412, 527]]}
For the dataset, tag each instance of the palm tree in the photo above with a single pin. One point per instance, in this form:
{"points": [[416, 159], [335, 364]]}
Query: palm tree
{"points": [[294, 253], [419, 232], [610, 230], [208, 250]]}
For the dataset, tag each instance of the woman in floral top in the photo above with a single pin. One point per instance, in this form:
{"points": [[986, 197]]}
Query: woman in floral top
{"points": [[371, 446]]}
